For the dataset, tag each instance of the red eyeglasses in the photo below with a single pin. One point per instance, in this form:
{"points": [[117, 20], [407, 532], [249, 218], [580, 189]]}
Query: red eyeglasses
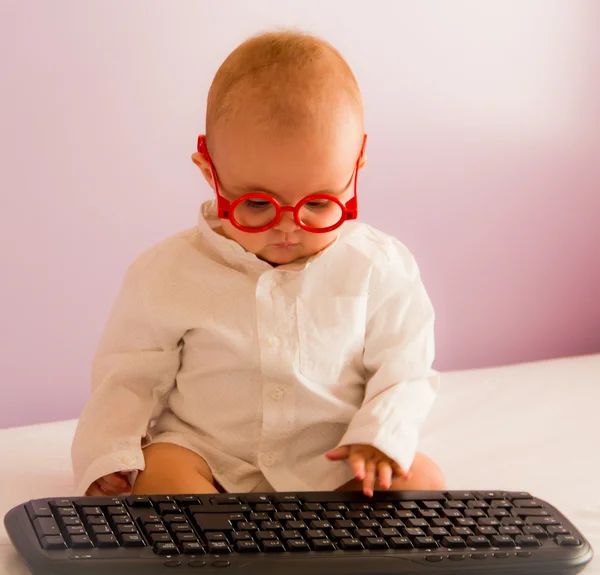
{"points": [[258, 212]]}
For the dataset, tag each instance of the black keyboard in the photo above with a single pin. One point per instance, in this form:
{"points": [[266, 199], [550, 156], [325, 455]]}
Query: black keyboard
{"points": [[312, 533]]}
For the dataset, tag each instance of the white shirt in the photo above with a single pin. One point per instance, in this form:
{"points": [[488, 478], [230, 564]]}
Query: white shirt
{"points": [[261, 369]]}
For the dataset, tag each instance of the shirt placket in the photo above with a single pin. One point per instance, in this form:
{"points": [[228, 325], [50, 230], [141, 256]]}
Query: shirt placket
{"points": [[278, 347]]}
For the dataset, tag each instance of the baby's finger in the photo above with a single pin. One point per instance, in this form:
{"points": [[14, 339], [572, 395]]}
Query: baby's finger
{"points": [[385, 474], [116, 481], [108, 488], [357, 464], [94, 490], [399, 472], [370, 478]]}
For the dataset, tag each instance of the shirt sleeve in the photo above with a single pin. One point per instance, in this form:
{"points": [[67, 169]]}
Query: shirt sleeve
{"points": [[133, 370], [398, 356]]}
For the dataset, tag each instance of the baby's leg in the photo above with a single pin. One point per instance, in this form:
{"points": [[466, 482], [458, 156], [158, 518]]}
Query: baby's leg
{"points": [[173, 469]]}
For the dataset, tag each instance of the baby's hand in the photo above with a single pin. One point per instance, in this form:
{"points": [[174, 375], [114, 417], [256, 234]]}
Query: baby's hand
{"points": [[368, 462], [112, 484]]}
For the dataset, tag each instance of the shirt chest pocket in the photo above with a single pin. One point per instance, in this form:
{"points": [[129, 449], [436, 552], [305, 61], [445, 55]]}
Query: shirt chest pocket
{"points": [[331, 334]]}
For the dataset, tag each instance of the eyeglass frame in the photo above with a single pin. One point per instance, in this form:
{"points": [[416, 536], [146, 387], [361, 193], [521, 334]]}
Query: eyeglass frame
{"points": [[225, 208]]}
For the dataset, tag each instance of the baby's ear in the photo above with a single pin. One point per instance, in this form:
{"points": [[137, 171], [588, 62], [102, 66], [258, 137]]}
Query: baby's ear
{"points": [[204, 166]]}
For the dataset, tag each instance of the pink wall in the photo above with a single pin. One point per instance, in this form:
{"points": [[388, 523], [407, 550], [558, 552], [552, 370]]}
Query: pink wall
{"points": [[483, 158]]}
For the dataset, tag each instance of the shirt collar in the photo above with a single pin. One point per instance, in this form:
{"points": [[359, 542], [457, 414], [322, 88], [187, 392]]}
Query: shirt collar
{"points": [[236, 255]]}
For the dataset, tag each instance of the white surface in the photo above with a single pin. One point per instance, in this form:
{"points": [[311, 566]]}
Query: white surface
{"points": [[529, 427]]}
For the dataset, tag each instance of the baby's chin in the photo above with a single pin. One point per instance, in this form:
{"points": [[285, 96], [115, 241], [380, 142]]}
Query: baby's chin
{"points": [[279, 256]]}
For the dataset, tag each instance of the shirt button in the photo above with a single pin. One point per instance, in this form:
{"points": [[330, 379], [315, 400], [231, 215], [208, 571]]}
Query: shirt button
{"points": [[274, 341], [278, 393], [269, 459]]}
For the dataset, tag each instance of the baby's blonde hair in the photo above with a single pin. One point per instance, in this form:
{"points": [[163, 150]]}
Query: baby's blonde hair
{"points": [[283, 79]]}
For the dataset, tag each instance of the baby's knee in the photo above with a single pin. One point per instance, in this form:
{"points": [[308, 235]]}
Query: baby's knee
{"points": [[430, 473]]}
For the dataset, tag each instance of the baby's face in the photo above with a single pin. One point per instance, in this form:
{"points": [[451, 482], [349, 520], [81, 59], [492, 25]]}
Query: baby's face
{"points": [[288, 167]]}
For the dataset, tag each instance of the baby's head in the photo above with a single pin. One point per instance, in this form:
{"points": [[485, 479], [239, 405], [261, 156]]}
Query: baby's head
{"points": [[284, 117]]}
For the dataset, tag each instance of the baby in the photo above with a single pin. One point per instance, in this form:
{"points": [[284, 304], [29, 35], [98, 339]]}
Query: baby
{"points": [[278, 345]]}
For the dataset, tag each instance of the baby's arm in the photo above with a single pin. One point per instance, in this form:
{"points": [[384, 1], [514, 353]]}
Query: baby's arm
{"points": [[398, 357], [133, 370]]}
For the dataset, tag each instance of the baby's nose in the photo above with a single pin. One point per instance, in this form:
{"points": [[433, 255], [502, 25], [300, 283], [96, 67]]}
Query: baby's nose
{"points": [[287, 223]]}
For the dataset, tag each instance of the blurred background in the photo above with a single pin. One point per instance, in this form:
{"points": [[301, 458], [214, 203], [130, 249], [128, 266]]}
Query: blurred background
{"points": [[484, 159]]}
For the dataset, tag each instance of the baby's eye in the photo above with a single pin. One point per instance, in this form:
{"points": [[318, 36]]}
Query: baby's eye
{"points": [[318, 204], [257, 204]]}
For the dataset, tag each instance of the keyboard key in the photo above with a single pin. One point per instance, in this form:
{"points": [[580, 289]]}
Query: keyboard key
{"points": [[121, 529], [76, 530], [417, 523], [510, 530], [336, 534], [216, 536], [271, 526], [456, 557], [557, 530], [297, 545], [132, 540], [569, 540], [527, 503], [527, 541], [316, 534], [322, 545], [536, 530], [401, 543], [106, 540], [156, 538], [520, 512], [324, 525], [344, 524], [541, 521], [437, 532], [413, 532], [287, 516], [246, 547], [185, 537], [460, 495], [376, 543], [425, 542], [166, 549], [81, 542], [438, 523], [434, 558], [362, 533], [473, 513], [241, 536], [225, 499], [488, 521], [316, 507], [38, 509], [264, 535], [486, 531], [45, 526], [88, 511], [217, 547], [502, 541], [351, 544], [272, 546], [388, 532], [192, 548], [71, 521], [138, 501], [453, 541], [187, 499], [213, 522], [461, 531], [308, 516], [300, 525], [290, 534], [247, 526], [53, 542], [464, 522], [478, 541]]}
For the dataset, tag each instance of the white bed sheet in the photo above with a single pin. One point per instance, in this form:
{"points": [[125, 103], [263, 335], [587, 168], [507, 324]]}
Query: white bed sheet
{"points": [[529, 427]]}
